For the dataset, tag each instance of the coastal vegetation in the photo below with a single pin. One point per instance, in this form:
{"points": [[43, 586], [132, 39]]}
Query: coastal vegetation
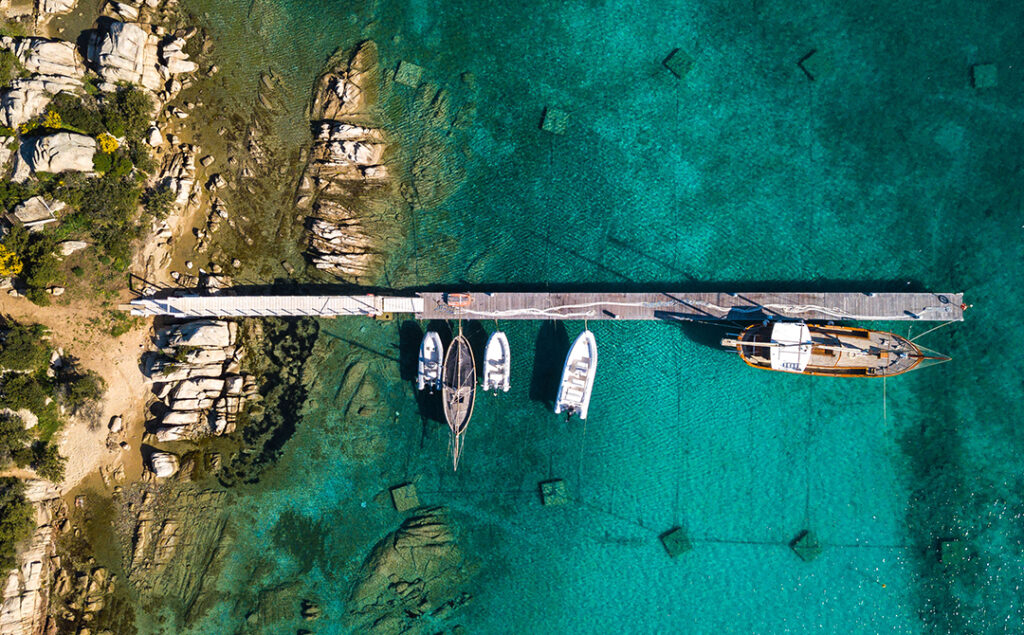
{"points": [[103, 209], [33, 385], [17, 519]]}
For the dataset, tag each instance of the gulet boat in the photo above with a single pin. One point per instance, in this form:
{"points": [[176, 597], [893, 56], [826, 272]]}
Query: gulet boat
{"points": [[829, 350]]}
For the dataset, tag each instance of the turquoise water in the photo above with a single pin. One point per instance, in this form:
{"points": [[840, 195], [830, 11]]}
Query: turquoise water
{"points": [[887, 172]]}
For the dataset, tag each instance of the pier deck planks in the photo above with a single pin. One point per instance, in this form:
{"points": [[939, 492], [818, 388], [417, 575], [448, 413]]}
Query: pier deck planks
{"points": [[944, 307]]}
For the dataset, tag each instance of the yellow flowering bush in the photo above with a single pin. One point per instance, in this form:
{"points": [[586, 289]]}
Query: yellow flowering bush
{"points": [[10, 263], [52, 120], [107, 143]]}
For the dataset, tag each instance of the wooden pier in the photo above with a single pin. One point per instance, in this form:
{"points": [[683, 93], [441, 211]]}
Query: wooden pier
{"points": [[739, 307]]}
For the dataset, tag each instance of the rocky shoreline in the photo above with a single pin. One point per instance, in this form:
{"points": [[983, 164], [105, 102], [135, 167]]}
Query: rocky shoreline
{"points": [[347, 168]]}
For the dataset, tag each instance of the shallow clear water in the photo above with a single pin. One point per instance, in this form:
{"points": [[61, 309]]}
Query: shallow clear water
{"points": [[888, 172]]}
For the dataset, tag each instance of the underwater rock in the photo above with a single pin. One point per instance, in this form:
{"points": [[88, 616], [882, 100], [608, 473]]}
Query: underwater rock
{"points": [[348, 152], [413, 578]]}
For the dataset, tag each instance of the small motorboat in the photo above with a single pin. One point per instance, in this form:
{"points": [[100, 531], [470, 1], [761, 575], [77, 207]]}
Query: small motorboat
{"points": [[431, 363], [497, 364], [578, 377], [459, 392], [458, 300]]}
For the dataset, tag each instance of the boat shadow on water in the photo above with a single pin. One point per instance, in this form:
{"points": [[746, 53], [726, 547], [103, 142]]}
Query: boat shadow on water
{"points": [[705, 333], [410, 336], [551, 347]]}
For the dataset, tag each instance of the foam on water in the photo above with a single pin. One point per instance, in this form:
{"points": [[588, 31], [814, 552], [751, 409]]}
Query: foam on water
{"points": [[889, 168]]}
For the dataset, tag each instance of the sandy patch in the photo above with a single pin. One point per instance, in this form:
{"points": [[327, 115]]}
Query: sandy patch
{"points": [[83, 440]]}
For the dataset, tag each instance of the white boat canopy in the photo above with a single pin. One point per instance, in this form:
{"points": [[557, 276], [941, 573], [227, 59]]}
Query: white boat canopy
{"points": [[793, 350]]}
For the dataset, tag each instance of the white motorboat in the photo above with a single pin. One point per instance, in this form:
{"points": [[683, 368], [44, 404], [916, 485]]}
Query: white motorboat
{"points": [[497, 364], [578, 377], [431, 363]]}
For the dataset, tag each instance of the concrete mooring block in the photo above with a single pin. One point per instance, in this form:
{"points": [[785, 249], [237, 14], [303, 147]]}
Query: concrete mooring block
{"points": [[676, 542], [555, 121], [678, 63], [806, 545], [984, 76], [554, 492], [404, 497], [408, 74]]}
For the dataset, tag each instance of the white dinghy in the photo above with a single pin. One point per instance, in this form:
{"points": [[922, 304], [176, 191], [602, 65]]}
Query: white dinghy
{"points": [[497, 364], [431, 362], [578, 377]]}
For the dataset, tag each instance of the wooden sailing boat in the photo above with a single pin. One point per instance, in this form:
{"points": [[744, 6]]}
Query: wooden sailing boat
{"points": [[458, 391], [578, 377], [834, 351]]}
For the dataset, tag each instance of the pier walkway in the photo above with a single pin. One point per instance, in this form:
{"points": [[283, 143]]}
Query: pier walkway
{"points": [[742, 307]]}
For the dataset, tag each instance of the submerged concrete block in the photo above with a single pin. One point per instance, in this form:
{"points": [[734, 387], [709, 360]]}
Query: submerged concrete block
{"points": [[676, 541], [806, 545], [555, 121], [984, 76], [554, 492], [953, 551], [816, 64], [408, 74], [404, 497], [678, 63]]}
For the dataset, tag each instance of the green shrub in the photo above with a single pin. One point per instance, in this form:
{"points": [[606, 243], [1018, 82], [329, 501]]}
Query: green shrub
{"points": [[47, 461], [12, 193], [78, 271], [10, 67], [138, 152], [13, 437], [17, 519], [136, 110], [102, 162], [23, 349], [159, 201], [74, 113], [41, 267], [121, 167], [81, 388]]}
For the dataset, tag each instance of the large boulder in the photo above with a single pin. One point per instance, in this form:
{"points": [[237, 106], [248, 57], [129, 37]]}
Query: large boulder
{"points": [[204, 334], [28, 97], [41, 56], [125, 52], [56, 6], [55, 67], [55, 153], [163, 464]]}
